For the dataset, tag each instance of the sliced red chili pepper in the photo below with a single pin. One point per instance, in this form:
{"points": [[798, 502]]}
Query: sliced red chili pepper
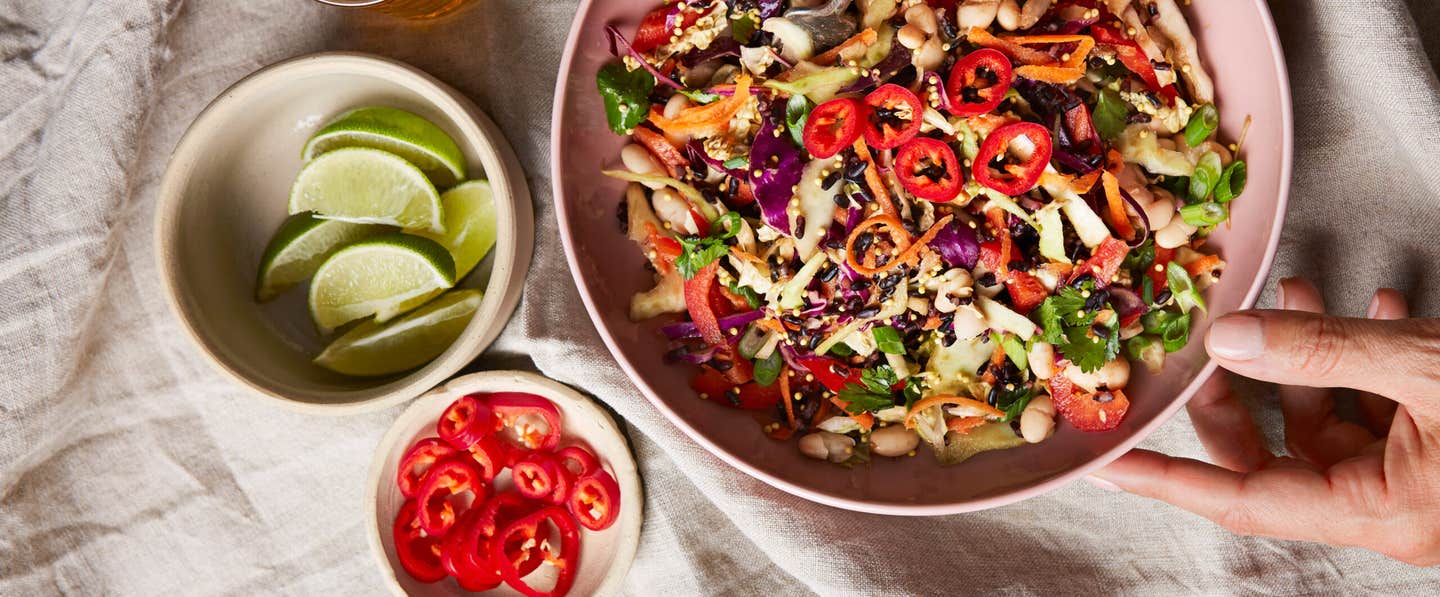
{"points": [[465, 422], [1019, 178], [583, 460], [747, 396], [535, 475], [929, 170], [490, 456], [419, 554], [595, 502], [564, 484], [472, 570], [893, 117], [1104, 262], [1099, 411], [417, 461], [508, 553], [1026, 291], [534, 422], [442, 495], [831, 373], [978, 82], [833, 126], [659, 25]]}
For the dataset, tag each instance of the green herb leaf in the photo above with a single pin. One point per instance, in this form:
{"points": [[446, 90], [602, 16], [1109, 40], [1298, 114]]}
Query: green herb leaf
{"points": [[1014, 349], [737, 162], [872, 393], [841, 349], [1202, 124], [1109, 114], [914, 390], [698, 252], [1066, 307], [1232, 182], [1179, 186], [797, 111], [1014, 402], [888, 339], [743, 27], [1204, 214], [626, 94], [1172, 328], [1090, 353], [1183, 288], [1207, 173], [752, 298], [1140, 258], [767, 370], [699, 96]]}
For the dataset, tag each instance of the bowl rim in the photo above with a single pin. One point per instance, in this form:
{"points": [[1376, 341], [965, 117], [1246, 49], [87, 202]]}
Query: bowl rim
{"points": [[896, 508], [627, 476], [513, 249]]}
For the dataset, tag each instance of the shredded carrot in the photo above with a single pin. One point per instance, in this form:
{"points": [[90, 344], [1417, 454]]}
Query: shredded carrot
{"points": [[1203, 265], [866, 38], [1002, 233], [821, 413], [1118, 218], [1014, 51], [932, 321], [964, 425], [872, 180], [710, 118], [1050, 74], [910, 249], [944, 399], [1035, 64], [785, 395]]}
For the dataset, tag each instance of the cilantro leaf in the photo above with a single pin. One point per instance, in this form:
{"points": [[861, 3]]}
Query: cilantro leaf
{"points": [[872, 393], [1087, 352], [697, 252], [1066, 307], [1014, 402], [1109, 114]]}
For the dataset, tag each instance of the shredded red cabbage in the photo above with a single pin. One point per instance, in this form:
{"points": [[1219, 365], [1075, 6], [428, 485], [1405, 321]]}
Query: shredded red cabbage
{"points": [[958, 245], [1143, 219], [933, 78], [686, 329], [775, 169], [722, 46], [614, 35], [696, 149], [898, 59], [1127, 303]]}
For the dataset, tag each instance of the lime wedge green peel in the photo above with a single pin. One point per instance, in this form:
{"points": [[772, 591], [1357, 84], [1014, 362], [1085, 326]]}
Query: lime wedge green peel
{"points": [[384, 276], [405, 343], [399, 132], [298, 248], [469, 224], [367, 186]]}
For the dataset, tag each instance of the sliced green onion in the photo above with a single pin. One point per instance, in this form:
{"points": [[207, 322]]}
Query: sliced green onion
{"points": [[1232, 182], [1202, 124], [1207, 173], [1200, 215], [1183, 288], [767, 370], [797, 111], [887, 339], [1014, 349]]}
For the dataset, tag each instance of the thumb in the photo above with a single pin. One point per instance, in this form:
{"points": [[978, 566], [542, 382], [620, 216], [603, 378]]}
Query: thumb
{"points": [[1399, 359]]}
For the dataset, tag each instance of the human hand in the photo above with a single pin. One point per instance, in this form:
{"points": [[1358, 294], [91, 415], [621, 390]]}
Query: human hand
{"points": [[1375, 485]]}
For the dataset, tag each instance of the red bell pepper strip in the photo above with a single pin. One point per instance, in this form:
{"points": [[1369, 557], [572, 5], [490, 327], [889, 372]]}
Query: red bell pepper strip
{"points": [[893, 117], [1132, 56], [583, 460], [833, 126], [831, 373], [674, 161], [929, 170], [978, 82], [1156, 273], [465, 422], [659, 25], [1026, 291], [747, 396], [697, 301], [1104, 262], [990, 255], [419, 554], [534, 421], [1100, 411], [417, 461], [1016, 179], [595, 501], [508, 553], [535, 475], [442, 493]]}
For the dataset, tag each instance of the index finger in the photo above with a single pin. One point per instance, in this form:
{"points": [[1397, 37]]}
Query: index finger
{"points": [[1284, 502]]}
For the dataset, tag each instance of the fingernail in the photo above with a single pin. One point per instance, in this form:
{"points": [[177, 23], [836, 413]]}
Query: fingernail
{"points": [[1374, 308], [1280, 295], [1238, 337], [1101, 483]]}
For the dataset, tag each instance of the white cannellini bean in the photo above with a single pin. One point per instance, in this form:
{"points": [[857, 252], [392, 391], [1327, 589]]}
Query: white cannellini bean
{"points": [[672, 209], [637, 159], [956, 283], [1042, 359], [1034, 9], [922, 16], [976, 13], [1112, 375], [1160, 212], [893, 440], [1037, 422], [968, 323], [672, 109], [823, 445], [1130, 331], [911, 36], [930, 55], [1009, 14], [1174, 234]]}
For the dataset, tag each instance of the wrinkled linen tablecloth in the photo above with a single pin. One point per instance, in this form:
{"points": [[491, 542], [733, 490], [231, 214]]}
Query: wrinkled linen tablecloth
{"points": [[128, 466]]}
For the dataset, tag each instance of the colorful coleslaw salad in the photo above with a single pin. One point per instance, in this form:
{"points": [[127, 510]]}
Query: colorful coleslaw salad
{"points": [[884, 223]]}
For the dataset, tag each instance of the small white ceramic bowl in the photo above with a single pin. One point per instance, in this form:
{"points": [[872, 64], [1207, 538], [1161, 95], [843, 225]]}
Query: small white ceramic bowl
{"points": [[605, 556], [226, 191]]}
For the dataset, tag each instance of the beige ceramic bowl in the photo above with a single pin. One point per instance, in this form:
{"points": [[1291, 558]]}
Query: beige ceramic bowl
{"points": [[226, 191], [605, 556]]}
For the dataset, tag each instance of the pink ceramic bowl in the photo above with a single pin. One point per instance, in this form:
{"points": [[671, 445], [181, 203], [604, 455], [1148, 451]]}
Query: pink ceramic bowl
{"points": [[1242, 51]]}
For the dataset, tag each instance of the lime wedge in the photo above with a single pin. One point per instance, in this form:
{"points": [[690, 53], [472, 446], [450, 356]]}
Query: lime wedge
{"points": [[367, 186], [383, 276], [469, 224], [298, 248], [405, 343], [399, 132]]}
